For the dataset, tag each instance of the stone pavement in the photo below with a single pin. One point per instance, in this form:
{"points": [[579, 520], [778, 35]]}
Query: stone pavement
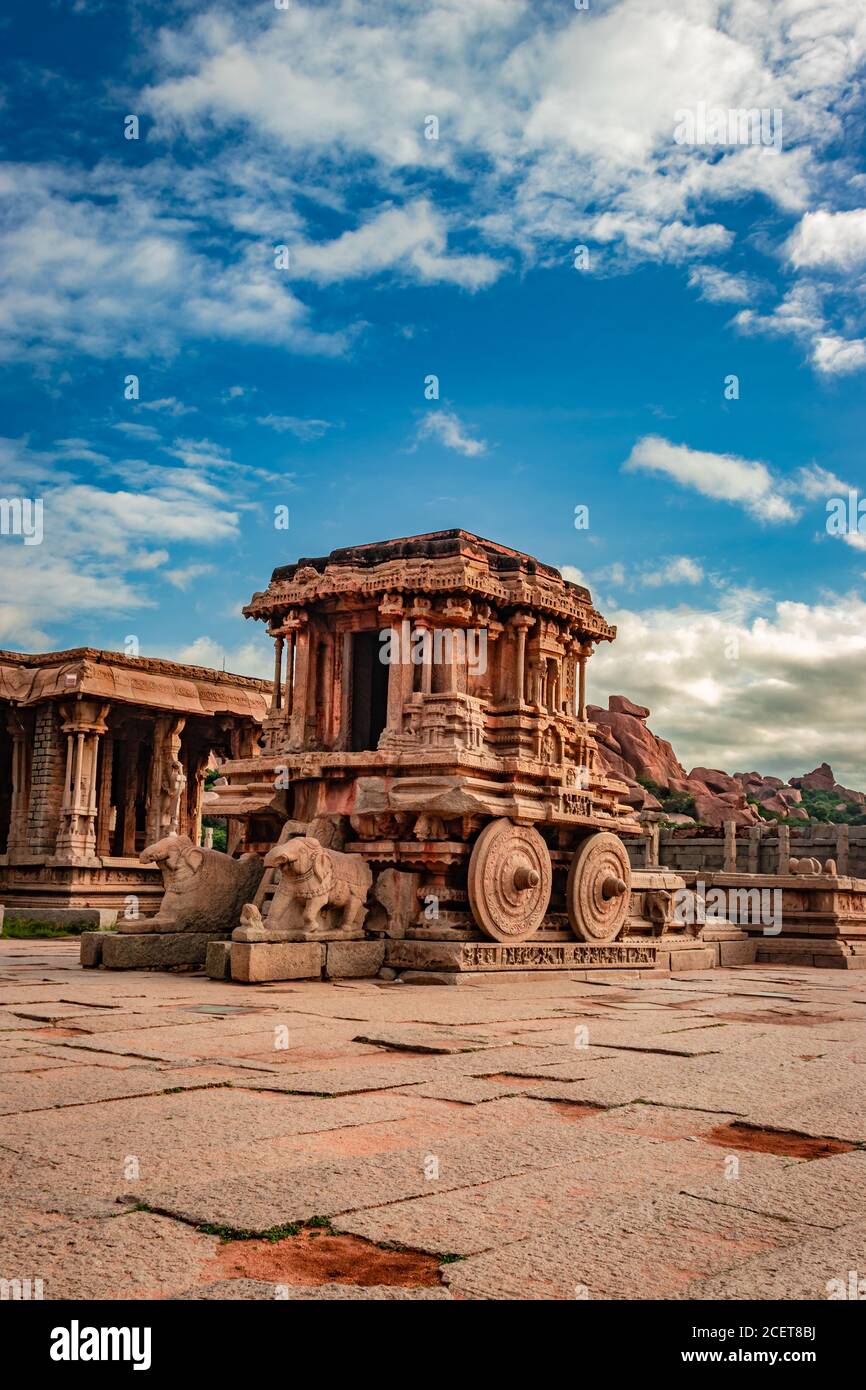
{"points": [[171, 1136]]}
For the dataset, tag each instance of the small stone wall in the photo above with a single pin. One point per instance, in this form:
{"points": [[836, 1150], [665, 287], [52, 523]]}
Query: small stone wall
{"points": [[757, 849]]}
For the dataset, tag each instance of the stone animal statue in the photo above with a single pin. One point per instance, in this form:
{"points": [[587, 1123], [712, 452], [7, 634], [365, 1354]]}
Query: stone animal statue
{"points": [[659, 908], [204, 888], [313, 878]]}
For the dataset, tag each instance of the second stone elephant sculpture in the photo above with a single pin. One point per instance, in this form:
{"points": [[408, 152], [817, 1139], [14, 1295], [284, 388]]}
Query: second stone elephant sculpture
{"points": [[204, 889], [322, 894]]}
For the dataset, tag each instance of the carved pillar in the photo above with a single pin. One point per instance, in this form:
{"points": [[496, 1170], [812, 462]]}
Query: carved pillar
{"points": [[521, 622], [277, 693], [392, 618], [582, 654], [290, 671], [103, 817], [651, 847], [166, 780], [84, 723], [325, 686], [300, 695], [20, 800]]}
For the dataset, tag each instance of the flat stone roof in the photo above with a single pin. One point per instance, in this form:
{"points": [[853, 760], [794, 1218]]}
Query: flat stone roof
{"points": [[28, 678]]}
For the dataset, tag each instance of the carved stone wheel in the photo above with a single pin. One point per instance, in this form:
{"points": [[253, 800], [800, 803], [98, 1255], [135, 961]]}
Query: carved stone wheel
{"points": [[510, 878], [597, 892]]}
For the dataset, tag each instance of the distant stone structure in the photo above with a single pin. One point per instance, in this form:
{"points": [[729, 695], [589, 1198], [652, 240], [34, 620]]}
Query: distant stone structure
{"points": [[102, 754]]}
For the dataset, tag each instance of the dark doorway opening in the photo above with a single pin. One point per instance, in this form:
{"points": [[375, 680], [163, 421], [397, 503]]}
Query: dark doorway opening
{"points": [[369, 691]]}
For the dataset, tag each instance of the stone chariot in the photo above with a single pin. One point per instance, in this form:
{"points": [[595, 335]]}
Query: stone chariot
{"points": [[429, 720]]}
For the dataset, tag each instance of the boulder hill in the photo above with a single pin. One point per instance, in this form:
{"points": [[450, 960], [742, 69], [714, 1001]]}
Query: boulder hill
{"points": [[657, 781]]}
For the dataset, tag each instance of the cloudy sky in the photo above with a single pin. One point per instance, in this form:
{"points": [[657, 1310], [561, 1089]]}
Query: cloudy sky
{"points": [[326, 205]]}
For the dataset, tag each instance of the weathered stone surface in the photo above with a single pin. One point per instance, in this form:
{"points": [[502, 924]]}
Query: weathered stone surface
{"points": [[218, 960], [257, 961], [737, 952], [353, 959], [91, 948], [815, 1267], [472, 956], [130, 1255], [248, 1289], [156, 951], [544, 1163], [94, 918]]}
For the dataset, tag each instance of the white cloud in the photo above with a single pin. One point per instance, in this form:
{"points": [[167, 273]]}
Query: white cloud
{"points": [[247, 659], [447, 427], [725, 477], [744, 686], [680, 569], [829, 240], [837, 356], [183, 577], [101, 545], [168, 405], [555, 128], [414, 238], [720, 286], [304, 430], [146, 433]]}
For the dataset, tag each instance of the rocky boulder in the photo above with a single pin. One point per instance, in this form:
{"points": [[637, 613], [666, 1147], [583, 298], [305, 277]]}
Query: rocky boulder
{"points": [[624, 736]]}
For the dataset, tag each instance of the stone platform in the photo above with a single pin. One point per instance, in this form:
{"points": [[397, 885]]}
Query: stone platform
{"points": [[792, 919], [442, 961]]}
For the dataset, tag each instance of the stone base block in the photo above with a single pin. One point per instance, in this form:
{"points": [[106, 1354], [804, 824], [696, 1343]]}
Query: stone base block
{"points": [[819, 952], [154, 950], [257, 962], [737, 952], [218, 960], [353, 959], [92, 918], [90, 950], [411, 955]]}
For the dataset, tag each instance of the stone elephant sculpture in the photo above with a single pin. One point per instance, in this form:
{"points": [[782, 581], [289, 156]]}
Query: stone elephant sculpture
{"points": [[313, 879], [204, 889]]}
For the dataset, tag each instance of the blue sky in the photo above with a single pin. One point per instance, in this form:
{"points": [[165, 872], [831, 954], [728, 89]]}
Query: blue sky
{"points": [[742, 622]]}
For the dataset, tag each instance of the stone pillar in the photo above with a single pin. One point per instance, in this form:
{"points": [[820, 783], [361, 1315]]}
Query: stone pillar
{"points": [[784, 849], [582, 655], [651, 846], [277, 692], [842, 849], [129, 794], [521, 622], [103, 817], [166, 779], [325, 687], [20, 800], [754, 859], [290, 672], [300, 694], [730, 861], [84, 723]]}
